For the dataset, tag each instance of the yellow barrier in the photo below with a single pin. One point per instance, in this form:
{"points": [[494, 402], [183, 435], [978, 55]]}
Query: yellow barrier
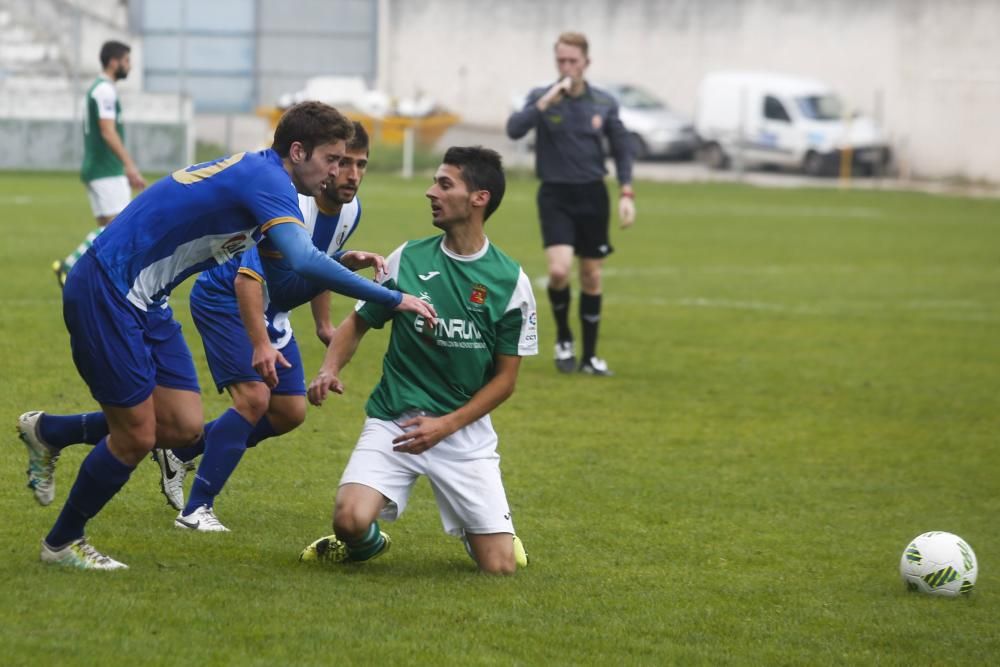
{"points": [[389, 130]]}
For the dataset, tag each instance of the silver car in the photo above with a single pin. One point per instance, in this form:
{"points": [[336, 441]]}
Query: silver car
{"points": [[656, 129]]}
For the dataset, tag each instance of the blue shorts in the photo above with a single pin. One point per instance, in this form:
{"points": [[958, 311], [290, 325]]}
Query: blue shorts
{"points": [[122, 352], [229, 352]]}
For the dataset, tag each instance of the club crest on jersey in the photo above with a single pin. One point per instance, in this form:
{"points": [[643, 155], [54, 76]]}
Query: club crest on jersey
{"points": [[478, 295], [234, 244]]}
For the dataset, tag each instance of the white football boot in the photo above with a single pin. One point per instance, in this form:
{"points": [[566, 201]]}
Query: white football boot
{"points": [[41, 458], [80, 554], [172, 474], [202, 520]]}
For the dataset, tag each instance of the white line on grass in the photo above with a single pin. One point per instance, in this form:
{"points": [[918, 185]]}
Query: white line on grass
{"points": [[956, 311], [541, 281], [757, 211], [17, 200]]}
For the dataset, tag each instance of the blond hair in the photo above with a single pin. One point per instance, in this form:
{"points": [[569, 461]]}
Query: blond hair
{"points": [[577, 39]]}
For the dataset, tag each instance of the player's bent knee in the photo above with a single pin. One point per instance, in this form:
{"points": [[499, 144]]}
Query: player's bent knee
{"points": [[131, 446], [352, 517], [350, 522], [558, 276], [286, 416], [296, 416], [251, 400], [496, 564], [184, 431], [590, 281], [139, 443]]}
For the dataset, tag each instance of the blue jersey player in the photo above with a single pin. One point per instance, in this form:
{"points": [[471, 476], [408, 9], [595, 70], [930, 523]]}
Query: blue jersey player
{"points": [[263, 371], [125, 343]]}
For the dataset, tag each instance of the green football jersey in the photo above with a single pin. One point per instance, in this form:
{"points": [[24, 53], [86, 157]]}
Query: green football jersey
{"points": [[485, 307], [98, 159]]}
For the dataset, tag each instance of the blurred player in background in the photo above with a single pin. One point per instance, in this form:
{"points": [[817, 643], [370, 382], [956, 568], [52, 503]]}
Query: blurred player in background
{"points": [[108, 170], [263, 371], [126, 345], [570, 117], [430, 413]]}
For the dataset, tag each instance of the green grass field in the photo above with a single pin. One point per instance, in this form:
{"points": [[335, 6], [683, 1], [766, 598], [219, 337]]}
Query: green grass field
{"points": [[805, 380]]}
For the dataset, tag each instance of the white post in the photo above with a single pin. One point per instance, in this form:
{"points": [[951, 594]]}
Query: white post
{"points": [[739, 162], [408, 152]]}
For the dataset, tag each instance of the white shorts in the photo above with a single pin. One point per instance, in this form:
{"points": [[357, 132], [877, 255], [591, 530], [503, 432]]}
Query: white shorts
{"points": [[469, 491], [108, 196]]}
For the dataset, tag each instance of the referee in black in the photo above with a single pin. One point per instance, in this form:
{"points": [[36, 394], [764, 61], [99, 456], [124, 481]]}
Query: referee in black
{"points": [[570, 119]]}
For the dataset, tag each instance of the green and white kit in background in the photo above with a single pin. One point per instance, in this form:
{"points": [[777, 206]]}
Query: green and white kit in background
{"points": [[102, 171], [485, 307]]}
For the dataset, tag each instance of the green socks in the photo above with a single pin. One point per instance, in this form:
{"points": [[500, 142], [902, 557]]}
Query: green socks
{"points": [[368, 546], [72, 258]]}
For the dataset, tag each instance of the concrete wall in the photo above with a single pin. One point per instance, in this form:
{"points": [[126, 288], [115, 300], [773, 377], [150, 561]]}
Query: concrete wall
{"points": [[43, 129], [929, 69]]}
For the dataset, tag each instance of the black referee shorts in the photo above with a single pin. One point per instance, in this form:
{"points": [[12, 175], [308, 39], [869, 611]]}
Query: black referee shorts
{"points": [[576, 214]]}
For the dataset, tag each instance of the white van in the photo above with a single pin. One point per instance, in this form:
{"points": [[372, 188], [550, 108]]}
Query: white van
{"points": [[773, 119]]}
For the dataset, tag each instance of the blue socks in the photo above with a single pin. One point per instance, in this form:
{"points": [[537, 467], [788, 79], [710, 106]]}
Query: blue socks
{"points": [[262, 431], [187, 454], [60, 431], [101, 476], [224, 447]]}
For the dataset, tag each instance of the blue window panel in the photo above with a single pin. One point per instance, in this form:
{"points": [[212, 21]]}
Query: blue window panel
{"points": [[210, 93], [343, 16], [218, 15], [202, 53]]}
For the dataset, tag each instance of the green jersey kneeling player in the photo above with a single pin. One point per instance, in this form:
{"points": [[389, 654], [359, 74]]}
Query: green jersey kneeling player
{"points": [[429, 414]]}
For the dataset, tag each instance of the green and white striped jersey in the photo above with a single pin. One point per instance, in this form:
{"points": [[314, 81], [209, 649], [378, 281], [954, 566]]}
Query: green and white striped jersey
{"points": [[98, 160], [485, 307]]}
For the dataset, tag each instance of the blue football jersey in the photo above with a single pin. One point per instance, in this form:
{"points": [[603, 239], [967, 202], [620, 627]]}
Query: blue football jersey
{"points": [[283, 288], [195, 219]]}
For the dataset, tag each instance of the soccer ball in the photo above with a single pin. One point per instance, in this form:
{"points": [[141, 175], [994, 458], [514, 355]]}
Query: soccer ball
{"points": [[939, 563]]}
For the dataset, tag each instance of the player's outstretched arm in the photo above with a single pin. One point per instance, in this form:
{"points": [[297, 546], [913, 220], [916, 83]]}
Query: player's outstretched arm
{"points": [[293, 242], [297, 247], [429, 431], [339, 353], [250, 297]]}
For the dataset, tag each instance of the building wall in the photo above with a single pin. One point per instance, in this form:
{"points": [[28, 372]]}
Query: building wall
{"points": [[231, 56], [43, 129], [929, 70]]}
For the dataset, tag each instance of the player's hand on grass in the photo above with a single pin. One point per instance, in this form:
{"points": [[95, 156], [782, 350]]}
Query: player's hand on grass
{"points": [[359, 259], [626, 211], [265, 361], [424, 434], [411, 304], [324, 382]]}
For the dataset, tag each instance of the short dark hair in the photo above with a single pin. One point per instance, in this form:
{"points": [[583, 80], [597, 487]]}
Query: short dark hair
{"points": [[482, 169], [112, 50], [311, 124], [359, 142]]}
